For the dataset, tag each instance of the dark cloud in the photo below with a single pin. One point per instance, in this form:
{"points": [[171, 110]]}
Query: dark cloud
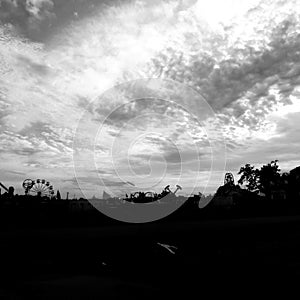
{"points": [[144, 113], [25, 151], [3, 114], [118, 115], [171, 156], [38, 19], [35, 129], [96, 181], [34, 67], [31, 17], [43, 131], [86, 104], [36, 139], [4, 108], [248, 72]]}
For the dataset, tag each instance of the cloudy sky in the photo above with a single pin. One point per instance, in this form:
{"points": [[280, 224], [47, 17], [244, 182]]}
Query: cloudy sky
{"points": [[78, 107]]}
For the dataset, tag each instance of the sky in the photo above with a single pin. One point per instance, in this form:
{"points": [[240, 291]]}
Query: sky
{"points": [[128, 95]]}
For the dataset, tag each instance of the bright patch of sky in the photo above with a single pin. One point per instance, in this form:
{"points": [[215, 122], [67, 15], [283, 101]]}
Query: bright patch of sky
{"points": [[58, 57]]}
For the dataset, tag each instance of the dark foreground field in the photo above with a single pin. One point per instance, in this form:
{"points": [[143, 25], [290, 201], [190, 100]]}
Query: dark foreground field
{"points": [[225, 258]]}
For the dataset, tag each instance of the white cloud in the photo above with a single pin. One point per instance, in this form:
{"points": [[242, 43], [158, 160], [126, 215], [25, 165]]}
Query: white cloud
{"points": [[241, 56]]}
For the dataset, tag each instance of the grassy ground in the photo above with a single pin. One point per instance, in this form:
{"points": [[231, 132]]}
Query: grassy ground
{"points": [[226, 257]]}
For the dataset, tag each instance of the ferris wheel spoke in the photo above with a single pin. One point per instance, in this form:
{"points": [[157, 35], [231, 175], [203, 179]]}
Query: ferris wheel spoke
{"points": [[44, 190], [36, 189]]}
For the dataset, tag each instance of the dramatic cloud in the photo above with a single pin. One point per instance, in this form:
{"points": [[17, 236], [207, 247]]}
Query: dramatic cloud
{"points": [[57, 58], [29, 16]]}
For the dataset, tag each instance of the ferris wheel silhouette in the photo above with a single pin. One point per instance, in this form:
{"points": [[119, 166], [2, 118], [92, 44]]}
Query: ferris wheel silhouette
{"points": [[39, 187]]}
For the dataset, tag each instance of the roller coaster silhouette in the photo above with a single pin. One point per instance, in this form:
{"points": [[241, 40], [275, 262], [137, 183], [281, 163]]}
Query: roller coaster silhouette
{"points": [[148, 197]]}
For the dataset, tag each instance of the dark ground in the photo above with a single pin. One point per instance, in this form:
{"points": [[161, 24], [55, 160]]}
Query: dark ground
{"points": [[236, 258]]}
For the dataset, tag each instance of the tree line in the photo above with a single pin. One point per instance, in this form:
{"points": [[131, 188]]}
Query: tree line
{"points": [[268, 178]]}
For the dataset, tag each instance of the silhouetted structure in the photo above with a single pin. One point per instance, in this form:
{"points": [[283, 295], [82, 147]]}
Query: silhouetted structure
{"points": [[39, 187], [282, 196], [294, 184], [148, 197], [9, 191], [229, 179]]}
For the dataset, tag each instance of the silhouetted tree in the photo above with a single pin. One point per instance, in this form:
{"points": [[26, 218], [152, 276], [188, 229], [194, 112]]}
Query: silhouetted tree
{"points": [[294, 184], [264, 180], [249, 177], [58, 197], [269, 178], [285, 177]]}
